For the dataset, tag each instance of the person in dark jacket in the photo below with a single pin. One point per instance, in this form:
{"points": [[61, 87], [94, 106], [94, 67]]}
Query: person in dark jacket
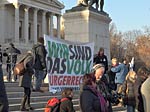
{"points": [[39, 64], [1, 55], [25, 81], [142, 75], [90, 99], [3, 96], [128, 91], [11, 53], [100, 58], [67, 105]]}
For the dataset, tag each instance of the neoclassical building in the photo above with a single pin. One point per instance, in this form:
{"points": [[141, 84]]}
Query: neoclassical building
{"points": [[23, 21]]}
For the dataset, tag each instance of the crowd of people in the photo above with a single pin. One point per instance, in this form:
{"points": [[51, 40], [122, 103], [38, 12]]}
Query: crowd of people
{"points": [[116, 85], [98, 90], [33, 63]]}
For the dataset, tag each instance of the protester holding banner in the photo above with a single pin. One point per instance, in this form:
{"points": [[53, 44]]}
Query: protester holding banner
{"points": [[39, 63]]}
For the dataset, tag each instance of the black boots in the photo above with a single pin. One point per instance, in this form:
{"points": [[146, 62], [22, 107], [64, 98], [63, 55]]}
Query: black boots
{"points": [[25, 104]]}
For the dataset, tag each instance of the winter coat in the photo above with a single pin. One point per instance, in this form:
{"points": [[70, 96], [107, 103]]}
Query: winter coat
{"points": [[67, 106], [26, 77], [89, 101], [145, 91], [112, 85], [1, 56], [103, 89], [101, 60], [121, 71], [138, 96], [3, 96], [128, 91], [40, 56]]}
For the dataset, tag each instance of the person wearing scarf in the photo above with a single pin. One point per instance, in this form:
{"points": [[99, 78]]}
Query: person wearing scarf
{"points": [[91, 100]]}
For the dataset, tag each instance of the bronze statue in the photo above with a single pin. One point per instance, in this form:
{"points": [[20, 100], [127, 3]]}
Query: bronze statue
{"points": [[90, 3]]}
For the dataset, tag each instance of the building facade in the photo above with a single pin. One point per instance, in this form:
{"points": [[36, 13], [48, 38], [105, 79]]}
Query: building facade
{"points": [[23, 21]]}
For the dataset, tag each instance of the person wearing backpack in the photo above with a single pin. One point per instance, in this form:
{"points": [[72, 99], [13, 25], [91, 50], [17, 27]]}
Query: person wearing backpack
{"points": [[25, 81], [67, 105], [39, 63]]}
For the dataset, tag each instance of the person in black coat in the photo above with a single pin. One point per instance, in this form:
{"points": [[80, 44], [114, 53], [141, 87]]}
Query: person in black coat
{"points": [[11, 53], [142, 75], [3, 96], [100, 58], [25, 81], [67, 105]]}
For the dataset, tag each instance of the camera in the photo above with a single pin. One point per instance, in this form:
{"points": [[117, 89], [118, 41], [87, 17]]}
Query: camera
{"points": [[116, 97]]}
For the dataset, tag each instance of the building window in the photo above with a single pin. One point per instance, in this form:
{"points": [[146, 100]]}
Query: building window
{"points": [[20, 29], [29, 31], [38, 31]]}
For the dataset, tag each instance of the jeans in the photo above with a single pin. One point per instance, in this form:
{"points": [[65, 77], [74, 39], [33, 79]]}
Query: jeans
{"points": [[10, 75], [130, 108], [39, 75]]}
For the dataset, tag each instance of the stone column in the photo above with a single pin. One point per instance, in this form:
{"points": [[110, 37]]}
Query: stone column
{"points": [[48, 24], [43, 23], [16, 22], [35, 25], [26, 25], [51, 25], [2, 24], [58, 26]]}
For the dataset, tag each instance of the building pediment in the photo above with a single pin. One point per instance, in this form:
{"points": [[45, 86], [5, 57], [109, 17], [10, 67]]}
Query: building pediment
{"points": [[49, 5], [53, 3]]}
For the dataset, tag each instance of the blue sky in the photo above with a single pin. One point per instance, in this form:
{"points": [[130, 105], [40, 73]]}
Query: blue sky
{"points": [[126, 14]]}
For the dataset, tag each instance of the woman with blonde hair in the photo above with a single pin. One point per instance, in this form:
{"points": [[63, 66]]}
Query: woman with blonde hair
{"points": [[128, 91]]}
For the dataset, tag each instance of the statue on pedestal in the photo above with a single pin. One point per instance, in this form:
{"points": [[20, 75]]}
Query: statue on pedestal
{"points": [[90, 3]]}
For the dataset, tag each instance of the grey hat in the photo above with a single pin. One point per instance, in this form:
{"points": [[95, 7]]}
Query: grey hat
{"points": [[97, 66]]}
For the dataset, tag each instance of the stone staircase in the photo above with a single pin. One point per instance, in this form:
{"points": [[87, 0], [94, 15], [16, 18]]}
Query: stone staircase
{"points": [[38, 100]]}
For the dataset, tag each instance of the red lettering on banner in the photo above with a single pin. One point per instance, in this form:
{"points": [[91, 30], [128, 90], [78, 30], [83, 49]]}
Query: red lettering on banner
{"points": [[77, 80], [60, 80], [73, 79], [69, 80], [57, 80], [65, 80], [80, 80], [50, 80]]}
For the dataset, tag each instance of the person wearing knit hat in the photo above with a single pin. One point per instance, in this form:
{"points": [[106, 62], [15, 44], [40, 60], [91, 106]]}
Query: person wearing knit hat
{"points": [[99, 70], [101, 82]]}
